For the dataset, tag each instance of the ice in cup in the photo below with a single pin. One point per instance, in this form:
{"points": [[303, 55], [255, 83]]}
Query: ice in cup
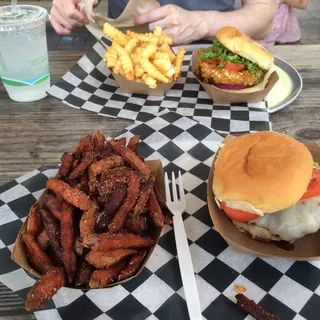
{"points": [[24, 64]]}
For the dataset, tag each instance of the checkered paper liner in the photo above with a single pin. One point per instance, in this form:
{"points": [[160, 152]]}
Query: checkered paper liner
{"points": [[89, 85], [287, 288]]}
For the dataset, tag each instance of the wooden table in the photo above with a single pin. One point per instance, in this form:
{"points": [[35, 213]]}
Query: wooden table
{"points": [[37, 133]]}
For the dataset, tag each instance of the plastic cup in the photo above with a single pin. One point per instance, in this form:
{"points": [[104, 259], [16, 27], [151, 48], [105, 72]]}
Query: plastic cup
{"points": [[24, 64]]}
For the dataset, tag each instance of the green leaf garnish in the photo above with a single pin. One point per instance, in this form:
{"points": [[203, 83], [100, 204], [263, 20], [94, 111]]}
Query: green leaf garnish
{"points": [[316, 165]]}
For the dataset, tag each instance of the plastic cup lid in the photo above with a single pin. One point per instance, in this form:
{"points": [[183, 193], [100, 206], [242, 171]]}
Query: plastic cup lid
{"points": [[26, 16]]}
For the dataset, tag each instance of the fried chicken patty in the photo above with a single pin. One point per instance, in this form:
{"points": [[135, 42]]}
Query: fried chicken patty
{"points": [[211, 74]]}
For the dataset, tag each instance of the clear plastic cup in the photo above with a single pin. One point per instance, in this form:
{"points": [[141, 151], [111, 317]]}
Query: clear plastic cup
{"points": [[24, 64]]}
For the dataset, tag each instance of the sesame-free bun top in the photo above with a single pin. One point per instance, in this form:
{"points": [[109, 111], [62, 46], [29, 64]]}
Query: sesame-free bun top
{"points": [[268, 170], [239, 43]]}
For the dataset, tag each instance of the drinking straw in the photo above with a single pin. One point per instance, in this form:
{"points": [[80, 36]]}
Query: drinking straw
{"points": [[14, 6]]}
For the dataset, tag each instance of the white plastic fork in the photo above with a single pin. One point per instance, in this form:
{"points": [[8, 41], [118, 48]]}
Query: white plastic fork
{"points": [[177, 207]]}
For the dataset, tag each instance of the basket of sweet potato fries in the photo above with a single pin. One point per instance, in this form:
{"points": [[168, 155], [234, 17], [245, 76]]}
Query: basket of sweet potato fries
{"points": [[142, 63], [97, 222]]}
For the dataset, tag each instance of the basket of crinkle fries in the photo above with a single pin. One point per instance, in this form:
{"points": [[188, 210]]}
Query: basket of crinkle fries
{"points": [[142, 63]]}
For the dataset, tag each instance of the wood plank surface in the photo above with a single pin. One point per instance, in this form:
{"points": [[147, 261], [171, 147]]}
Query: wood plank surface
{"points": [[302, 118], [37, 133]]}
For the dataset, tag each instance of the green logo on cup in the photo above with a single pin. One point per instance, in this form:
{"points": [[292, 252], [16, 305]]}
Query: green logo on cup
{"points": [[24, 83]]}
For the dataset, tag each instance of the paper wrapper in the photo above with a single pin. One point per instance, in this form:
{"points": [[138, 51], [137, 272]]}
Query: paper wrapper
{"points": [[141, 88], [306, 248], [125, 20], [19, 255], [220, 96]]}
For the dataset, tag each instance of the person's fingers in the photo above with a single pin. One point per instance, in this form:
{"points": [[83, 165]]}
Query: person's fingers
{"points": [[166, 23], [181, 36], [70, 11], [172, 33], [155, 14], [72, 22], [56, 16], [61, 30]]}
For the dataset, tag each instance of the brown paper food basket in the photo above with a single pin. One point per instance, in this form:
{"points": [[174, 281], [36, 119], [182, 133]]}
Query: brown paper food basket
{"points": [[141, 88], [306, 248], [220, 96], [19, 255]]}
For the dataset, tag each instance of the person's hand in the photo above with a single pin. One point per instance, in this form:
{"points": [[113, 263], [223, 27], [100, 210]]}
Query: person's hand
{"points": [[182, 25], [65, 16]]}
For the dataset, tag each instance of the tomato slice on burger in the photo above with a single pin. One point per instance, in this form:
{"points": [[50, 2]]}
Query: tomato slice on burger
{"points": [[238, 215], [235, 66], [314, 185]]}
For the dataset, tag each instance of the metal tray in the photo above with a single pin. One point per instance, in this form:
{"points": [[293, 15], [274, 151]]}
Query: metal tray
{"points": [[287, 89]]}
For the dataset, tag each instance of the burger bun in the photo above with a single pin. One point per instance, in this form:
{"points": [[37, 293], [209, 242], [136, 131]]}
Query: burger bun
{"points": [[239, 43], [268, 170]]}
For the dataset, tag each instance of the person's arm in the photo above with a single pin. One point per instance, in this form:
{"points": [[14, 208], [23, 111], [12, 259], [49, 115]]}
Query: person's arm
{"points": [[298, 4], [254, 18]]}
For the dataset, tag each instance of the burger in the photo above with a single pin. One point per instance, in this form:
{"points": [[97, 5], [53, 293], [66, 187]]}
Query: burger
{"points": [[269, 186], [235, 62]]}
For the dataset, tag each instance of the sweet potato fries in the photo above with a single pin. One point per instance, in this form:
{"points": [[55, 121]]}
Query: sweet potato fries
{"points": [[95, 223], [254, 309], [44, 289]]}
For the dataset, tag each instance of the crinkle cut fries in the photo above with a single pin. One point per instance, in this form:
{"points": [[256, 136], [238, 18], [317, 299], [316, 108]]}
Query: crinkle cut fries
{"points": [[146, 58]]}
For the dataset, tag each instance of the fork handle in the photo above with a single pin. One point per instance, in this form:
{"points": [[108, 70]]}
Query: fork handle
{"points": [[186, 269]]}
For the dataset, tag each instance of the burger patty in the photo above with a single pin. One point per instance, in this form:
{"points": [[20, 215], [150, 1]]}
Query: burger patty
{"points": [[258, 233], [211, 74]]}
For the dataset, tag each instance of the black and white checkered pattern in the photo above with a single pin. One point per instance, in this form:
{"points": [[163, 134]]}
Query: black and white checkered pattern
{"points": [[89, 85], [287, 288]]}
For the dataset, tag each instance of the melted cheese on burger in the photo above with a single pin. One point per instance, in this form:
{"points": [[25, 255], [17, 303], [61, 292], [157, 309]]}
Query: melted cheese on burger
{"points": [[295, 222]]}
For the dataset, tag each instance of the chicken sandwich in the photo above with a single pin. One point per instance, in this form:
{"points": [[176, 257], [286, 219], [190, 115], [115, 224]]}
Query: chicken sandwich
{"points": [[235, 62]]}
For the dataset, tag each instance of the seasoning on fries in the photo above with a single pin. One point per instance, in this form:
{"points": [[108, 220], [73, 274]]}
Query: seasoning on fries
{"points": [[104, 259], [108, 241], [145, 58], [52, 205], [95, 223], [111, 207], [38, 259], [66, 163], [143, 198], [45, 288], [34, 224], [136, 225], [53, 232], [73, 196], [103, 277], [88, 220], [132, 194], [132, 266], [131, 158], [43, 240], [67, 241], [155, 210], [84, 274]]}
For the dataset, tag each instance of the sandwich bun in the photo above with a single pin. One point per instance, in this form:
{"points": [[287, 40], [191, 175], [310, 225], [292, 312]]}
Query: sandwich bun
{"points": [[239, 43], [268, 170]]}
